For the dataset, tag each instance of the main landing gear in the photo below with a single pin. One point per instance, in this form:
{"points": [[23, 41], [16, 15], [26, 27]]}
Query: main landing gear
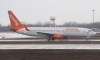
{"points": [[88, 37], [50, 38]]}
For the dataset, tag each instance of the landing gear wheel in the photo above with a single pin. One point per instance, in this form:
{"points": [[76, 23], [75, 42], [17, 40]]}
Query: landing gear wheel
{"points": [[53, 39], [50, 38], [87, 38]]}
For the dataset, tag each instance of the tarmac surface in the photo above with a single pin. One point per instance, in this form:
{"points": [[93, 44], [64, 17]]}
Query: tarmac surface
{"points": [[49, 54], [42, 49], [45, 41]]}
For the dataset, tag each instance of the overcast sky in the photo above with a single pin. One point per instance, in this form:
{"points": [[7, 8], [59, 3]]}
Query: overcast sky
{"points": [[32, 11]]}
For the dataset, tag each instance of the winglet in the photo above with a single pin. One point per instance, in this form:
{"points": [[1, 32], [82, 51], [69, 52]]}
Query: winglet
{"points": [[15, 23]]}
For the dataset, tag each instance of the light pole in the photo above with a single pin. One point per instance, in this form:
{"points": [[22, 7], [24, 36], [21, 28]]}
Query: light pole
{"points": [[93, 17]]}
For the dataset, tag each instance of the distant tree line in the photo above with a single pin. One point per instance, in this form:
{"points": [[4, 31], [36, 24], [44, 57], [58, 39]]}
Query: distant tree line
{"points": [[47, 24]]}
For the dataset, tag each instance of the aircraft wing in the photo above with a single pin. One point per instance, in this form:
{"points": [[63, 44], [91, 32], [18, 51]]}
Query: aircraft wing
{"points": [[53, 35]]}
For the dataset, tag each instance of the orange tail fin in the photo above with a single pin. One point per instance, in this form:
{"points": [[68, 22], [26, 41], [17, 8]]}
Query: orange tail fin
{"points": [[15, 23]]}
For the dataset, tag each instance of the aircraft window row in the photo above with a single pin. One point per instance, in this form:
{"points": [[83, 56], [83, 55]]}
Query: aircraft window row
{"points": [[55, 30]]}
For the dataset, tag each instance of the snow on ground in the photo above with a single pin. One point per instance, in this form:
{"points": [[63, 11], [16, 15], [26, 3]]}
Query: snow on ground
{"points": [[12, 35], [49, 46]]}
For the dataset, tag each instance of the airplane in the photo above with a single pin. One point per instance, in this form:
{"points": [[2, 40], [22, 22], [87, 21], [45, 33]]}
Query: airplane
{"points": [[51, 33]]}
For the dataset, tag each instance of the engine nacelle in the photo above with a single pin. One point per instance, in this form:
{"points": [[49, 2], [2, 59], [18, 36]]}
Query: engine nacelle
{"points": [[57, 36]]}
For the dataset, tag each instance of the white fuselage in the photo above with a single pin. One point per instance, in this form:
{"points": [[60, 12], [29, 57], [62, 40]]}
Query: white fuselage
{"points": [[64, 31], [50, 32]]}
